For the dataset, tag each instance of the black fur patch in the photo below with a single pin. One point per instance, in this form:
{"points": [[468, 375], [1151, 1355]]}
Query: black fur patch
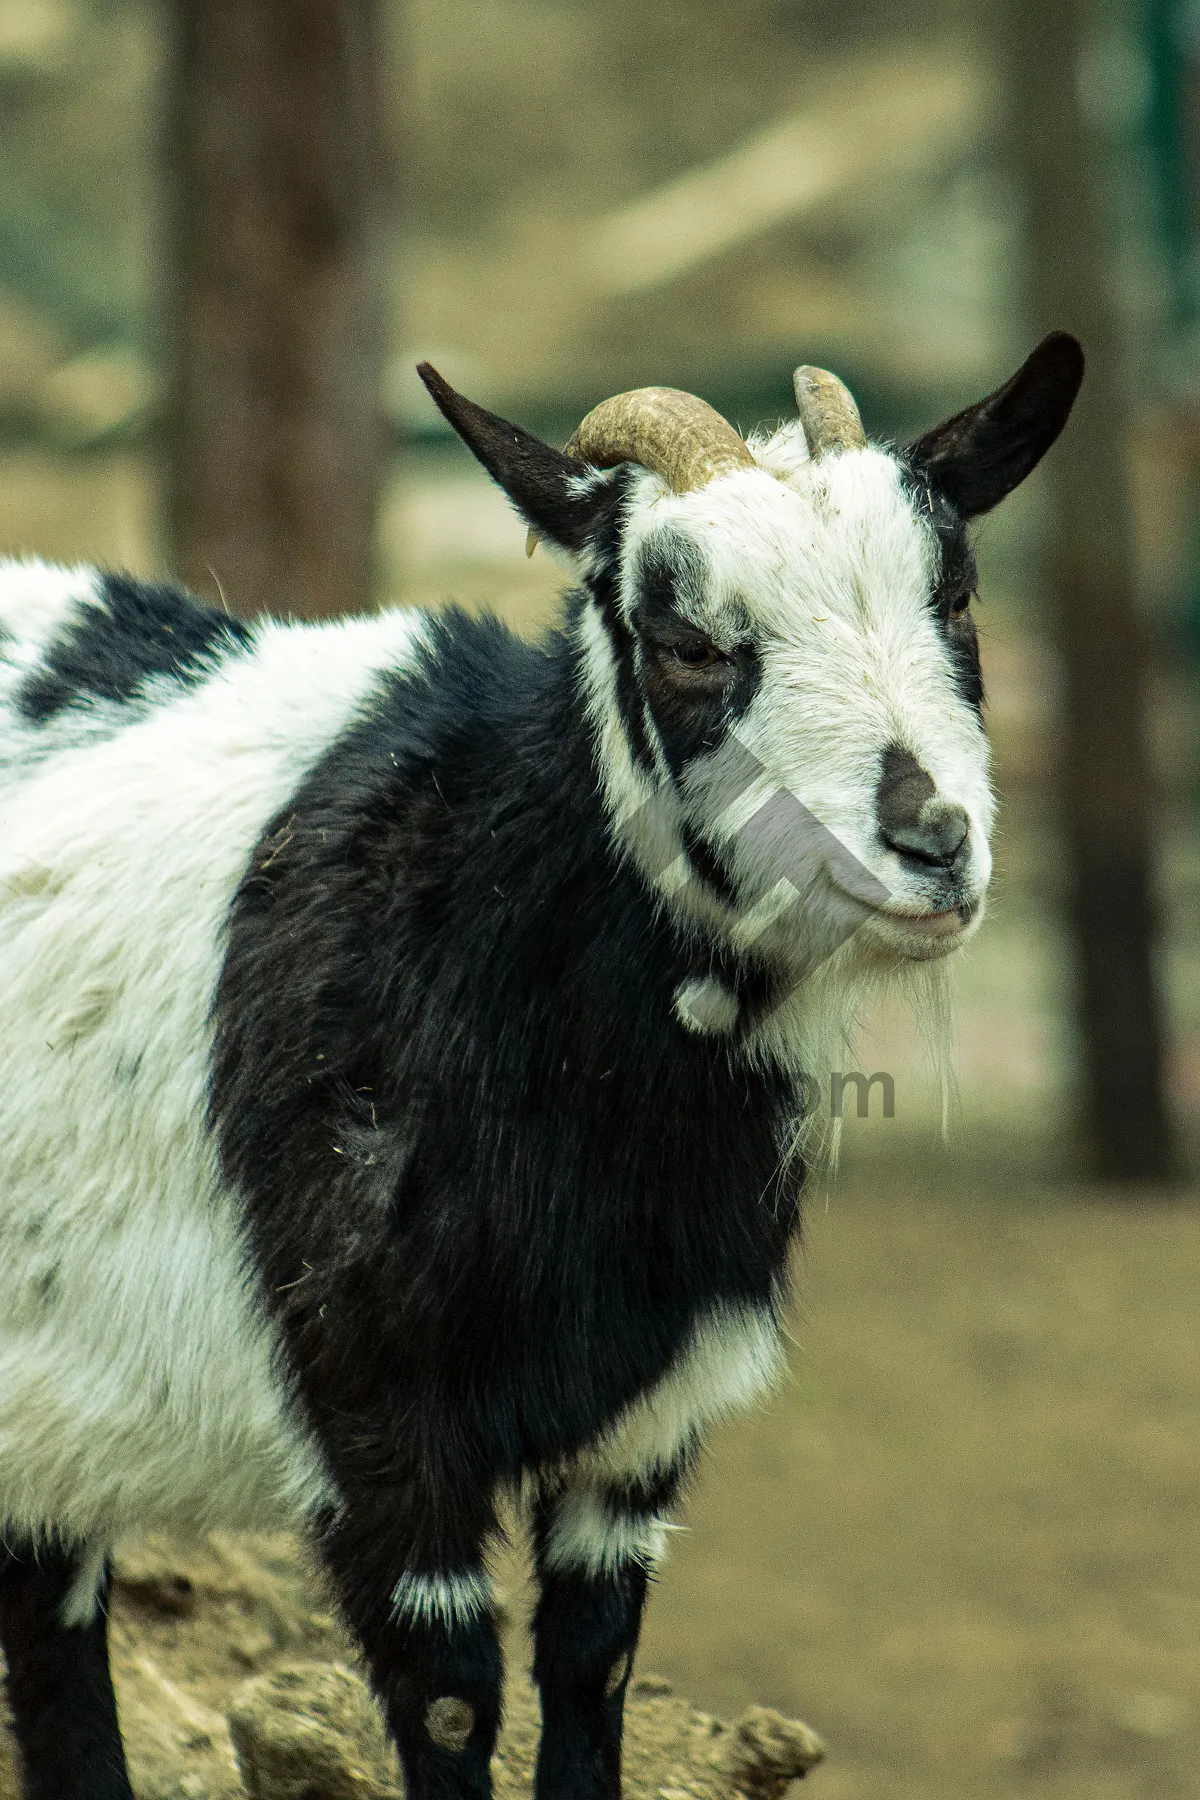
{"points": [[445, 1055], [109, 652], [603, 585], [433, 1661], [692, 712], [956, 578], [709, 865]]}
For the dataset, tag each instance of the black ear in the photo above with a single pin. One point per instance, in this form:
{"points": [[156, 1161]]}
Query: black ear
{"points": [[553, 492], [983, 453]]}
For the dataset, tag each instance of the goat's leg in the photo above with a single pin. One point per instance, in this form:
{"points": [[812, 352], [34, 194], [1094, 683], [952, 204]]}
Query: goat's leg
{"points": [[54, 1635], [595, 1547], [423, 1615]]}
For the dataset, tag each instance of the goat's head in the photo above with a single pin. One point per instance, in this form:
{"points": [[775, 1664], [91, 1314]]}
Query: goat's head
{"points": [[778, 652]]}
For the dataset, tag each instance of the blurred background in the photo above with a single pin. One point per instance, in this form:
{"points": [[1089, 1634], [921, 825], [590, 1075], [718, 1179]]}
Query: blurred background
{"points": [[964, 1541]]}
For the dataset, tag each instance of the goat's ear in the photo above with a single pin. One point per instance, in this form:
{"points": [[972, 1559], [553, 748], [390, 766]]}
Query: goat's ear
{"points": [[552, 492], [984, 452]]}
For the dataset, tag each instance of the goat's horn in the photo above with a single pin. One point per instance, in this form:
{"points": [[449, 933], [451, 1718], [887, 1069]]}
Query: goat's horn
{"points": [[675, 435], [827, 412]]}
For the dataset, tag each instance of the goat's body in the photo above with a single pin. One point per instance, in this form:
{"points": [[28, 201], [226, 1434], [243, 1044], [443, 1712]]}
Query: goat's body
{"points": [[142, 1376]]}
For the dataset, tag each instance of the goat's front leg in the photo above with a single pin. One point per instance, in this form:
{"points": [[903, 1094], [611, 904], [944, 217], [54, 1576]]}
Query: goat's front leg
{"points": [[54, 1639], [595, 1546], [415, 1591]]}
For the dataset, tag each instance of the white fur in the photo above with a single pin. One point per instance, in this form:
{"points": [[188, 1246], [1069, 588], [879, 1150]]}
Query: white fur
{"points": [[79, 1606], [139, 1374], [36, 599], [706, 1005], [633, 797], [36, 602], [448, 1599], [587, 1537], [732, 1357]]}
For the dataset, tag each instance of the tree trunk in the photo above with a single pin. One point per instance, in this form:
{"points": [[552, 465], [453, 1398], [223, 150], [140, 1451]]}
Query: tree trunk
{"points": [[1107, 792], [277, 432]]}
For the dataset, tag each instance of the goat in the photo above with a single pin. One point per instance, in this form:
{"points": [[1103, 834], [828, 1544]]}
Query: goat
{"points": [[405, 1031]]}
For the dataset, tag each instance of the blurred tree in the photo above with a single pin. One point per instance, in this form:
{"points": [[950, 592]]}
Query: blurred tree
{"points": [[275, 150], [1172, 30], [1172, 36], [1109, 803]]}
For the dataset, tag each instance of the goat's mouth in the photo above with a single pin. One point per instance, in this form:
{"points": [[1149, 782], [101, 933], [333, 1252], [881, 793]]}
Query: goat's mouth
{"points": [[950, 922], [919, 933], [921, 936]]}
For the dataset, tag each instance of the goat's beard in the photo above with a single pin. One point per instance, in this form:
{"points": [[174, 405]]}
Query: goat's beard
{"points": [[814, 1031]]}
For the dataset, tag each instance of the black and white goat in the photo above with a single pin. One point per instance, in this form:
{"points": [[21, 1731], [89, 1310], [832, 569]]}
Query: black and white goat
{"points": [[404, 1034]]}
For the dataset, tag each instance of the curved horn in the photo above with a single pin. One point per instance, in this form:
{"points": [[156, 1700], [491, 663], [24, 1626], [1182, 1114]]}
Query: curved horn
{"points": [[673, 434], [827, 412]]}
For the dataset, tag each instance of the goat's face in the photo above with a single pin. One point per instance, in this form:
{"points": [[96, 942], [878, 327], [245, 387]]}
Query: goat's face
{"points": [[808, 639], [782, 669]]}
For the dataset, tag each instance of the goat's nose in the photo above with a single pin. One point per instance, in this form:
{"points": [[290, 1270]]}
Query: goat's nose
{"points": [[937, 839], [914, 820]]}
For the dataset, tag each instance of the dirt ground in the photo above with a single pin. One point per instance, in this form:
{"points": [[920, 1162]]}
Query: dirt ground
{"points": [[964, 1543], [233, 1679]]}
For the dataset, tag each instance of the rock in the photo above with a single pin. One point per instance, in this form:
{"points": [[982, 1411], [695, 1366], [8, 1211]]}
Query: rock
{"points": [[260, 1650], [765, 1751], [311, 1729], [271, 1587]]}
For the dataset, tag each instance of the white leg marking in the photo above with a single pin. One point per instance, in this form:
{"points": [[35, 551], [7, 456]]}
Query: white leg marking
{"points": [[587, 1536], [442, 1599]]}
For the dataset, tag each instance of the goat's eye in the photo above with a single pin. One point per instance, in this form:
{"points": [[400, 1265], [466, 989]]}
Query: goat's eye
{"points": [[698, 654], [960, 603]]}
